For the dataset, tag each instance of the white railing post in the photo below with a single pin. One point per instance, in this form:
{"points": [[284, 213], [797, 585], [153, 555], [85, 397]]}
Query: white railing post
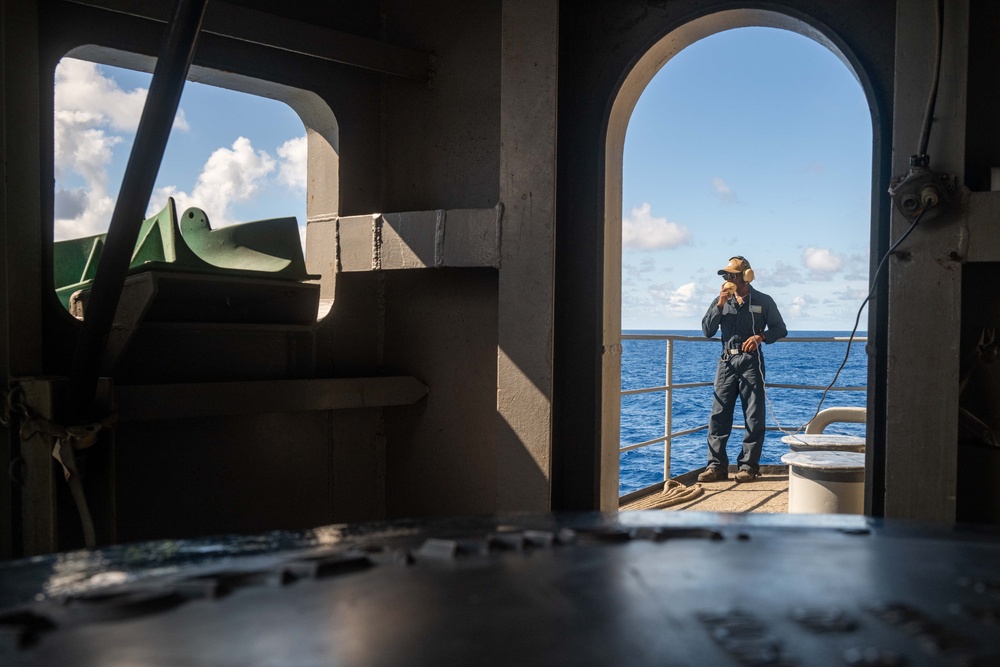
{"points": [[669, 416]]}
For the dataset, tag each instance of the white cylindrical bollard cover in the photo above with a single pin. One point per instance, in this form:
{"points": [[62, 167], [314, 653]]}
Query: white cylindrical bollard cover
{"points": [[826, 442], [821, 482]]}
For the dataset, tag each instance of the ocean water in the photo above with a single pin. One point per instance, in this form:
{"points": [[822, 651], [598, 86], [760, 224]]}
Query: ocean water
{"points": [[643, 415]]}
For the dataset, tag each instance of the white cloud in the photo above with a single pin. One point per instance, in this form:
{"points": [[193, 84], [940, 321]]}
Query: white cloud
{"points": [[181, 122], [852, 294], [781, 275], [800, 305], [684, 301], [230, 175], [292, 167], [83, 150], [70, 204], [82, 90], [632, 272], [640, 230], [724, 192], [92, 215], [856, 268], [821, 260], [92, 113]]}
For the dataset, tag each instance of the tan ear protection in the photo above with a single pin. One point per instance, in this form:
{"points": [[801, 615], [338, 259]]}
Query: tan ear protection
{"points": [[747, 272]]}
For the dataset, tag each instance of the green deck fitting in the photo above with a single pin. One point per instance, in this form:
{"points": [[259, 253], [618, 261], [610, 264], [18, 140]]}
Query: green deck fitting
{"points": [[259, 249]]}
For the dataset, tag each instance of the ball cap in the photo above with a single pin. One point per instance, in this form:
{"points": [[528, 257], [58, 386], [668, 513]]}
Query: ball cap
{"points": [[736, 265]]}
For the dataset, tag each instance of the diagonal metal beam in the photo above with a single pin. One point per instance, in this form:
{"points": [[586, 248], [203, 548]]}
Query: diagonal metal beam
{"points": [[173, 62], [257, 27]]}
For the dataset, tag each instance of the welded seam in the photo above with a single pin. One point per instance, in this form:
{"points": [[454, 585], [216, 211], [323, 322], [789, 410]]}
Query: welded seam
{"points": [[377, 242], [439, 231], [499, 234]]}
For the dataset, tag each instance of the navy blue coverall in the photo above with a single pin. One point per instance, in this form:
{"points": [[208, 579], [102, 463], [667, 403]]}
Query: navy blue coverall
{"points": [[740, 374]]}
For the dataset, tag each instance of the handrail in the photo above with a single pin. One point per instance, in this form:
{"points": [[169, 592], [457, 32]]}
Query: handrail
{"points": [[702, 339], [828, 416], [772, 385], [647, 390], [669, 387]]}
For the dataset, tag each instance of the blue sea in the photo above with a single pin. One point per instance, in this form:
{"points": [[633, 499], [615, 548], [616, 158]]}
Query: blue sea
{"points": [[643, 415]]}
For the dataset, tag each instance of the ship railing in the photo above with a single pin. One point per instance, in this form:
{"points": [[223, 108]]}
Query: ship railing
{"points": [[669, 434]]}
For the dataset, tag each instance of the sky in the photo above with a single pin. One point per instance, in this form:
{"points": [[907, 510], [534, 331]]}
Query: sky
{"points": [[754, 141], [238, 157]]}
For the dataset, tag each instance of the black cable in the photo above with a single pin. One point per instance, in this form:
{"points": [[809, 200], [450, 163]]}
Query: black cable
{"points": [[857, 320], [925, 130]]}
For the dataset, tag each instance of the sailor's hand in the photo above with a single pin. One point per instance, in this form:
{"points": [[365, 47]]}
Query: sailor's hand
{"points": [[752, 343], [727, 290]]}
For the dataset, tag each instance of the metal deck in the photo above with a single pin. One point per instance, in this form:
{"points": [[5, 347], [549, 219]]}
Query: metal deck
{"points": [[766, 494], [632, 588]]}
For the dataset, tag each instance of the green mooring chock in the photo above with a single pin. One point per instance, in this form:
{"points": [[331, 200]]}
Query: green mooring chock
{"points": [[260, 249]]}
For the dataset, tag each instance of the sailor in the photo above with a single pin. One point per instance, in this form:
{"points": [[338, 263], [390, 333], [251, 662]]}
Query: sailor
{"points": [[748, 319]]}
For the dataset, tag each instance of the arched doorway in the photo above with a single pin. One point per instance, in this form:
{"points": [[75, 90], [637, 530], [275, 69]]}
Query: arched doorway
{"points": [[753, 141], [632, 86]]}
